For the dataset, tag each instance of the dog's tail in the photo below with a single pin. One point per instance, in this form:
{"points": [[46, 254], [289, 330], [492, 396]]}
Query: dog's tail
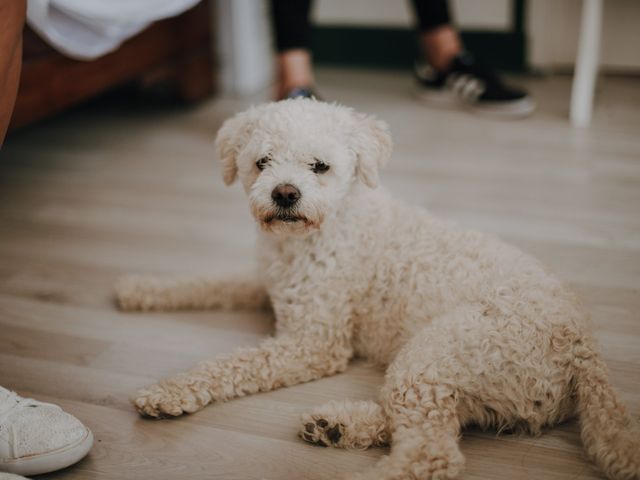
{"points": [[609, 435]]}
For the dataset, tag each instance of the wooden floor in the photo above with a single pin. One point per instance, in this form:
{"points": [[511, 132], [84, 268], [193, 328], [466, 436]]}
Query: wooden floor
{"points": [[106, 190]]}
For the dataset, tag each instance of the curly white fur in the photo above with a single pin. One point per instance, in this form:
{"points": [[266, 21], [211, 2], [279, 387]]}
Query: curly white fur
{"points": [[471, 330]]}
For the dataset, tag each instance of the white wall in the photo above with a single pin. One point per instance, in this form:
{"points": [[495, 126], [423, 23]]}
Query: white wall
{"points": [[553, 27], [476, 14]]}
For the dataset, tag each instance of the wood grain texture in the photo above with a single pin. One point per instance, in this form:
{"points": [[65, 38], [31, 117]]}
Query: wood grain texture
{"points": [[107, 190]]}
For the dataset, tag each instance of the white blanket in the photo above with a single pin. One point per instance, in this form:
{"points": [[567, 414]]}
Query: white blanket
{"points": [[87, 29]]}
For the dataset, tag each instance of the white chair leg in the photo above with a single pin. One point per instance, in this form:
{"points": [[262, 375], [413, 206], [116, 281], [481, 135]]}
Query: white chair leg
{"points": [[586, 69]]}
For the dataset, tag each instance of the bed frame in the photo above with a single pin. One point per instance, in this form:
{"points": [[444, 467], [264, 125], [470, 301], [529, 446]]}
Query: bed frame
{"points": [[178, 50]]}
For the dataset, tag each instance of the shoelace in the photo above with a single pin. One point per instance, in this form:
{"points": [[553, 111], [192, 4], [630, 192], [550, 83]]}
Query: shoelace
{"points": [[12, 402], [8, 405]]}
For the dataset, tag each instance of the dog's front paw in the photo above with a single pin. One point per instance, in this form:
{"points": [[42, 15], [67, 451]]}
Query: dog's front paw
{"points": [[169, 398], [134, 292]]}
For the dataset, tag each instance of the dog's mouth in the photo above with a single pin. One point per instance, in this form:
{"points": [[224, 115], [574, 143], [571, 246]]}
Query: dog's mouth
{"points": [[288, 221], [286, 218], [291, 221]]}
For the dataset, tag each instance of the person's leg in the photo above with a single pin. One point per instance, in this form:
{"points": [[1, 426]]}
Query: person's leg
{"points": [[35, 437], [12, 15], [439, 40], [450, 76], [292, 30]]}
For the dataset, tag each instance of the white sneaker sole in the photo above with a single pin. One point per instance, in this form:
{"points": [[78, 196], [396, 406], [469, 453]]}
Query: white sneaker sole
{"points": [[446, 99], [51, 461]]}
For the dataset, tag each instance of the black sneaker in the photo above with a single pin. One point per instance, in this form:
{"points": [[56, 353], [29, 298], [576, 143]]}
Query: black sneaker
{"points": [[468, 84], [300, 92]]}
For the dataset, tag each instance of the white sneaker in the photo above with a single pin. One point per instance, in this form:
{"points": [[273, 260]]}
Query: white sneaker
{"points": [[37, 437]]}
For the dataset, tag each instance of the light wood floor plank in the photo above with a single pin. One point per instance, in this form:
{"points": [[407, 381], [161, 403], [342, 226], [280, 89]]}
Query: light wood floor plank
{"points": [[110, 189]]}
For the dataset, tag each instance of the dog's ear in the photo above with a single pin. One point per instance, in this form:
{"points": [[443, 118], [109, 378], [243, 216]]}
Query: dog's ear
{"points": [[231, 137], [372, 145]]}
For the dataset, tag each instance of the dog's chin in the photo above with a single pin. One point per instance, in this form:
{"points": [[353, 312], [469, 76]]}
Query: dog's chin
{"points": [[288, 224]]}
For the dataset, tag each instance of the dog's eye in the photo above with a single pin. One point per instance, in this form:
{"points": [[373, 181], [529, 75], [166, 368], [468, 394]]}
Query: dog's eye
{"points": [[320, 167], [261, 163]]}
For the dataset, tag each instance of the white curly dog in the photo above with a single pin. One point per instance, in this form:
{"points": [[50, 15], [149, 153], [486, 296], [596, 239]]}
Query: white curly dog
{"points": [[470, 330]]}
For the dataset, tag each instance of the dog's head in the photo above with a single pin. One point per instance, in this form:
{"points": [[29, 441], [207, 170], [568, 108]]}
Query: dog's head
{"points": [[298, 159]]}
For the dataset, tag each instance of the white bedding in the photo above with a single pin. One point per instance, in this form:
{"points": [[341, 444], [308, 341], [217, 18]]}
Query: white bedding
{"points": [[88, 29]]}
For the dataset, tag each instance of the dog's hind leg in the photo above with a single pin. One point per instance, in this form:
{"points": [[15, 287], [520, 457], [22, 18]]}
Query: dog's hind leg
{"points": [[425, 432], [346, 424], [421, 401], [136, 292]]}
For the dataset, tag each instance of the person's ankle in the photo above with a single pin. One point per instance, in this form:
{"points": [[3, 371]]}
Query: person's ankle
{"points": [[441, 46], [294, 71]]}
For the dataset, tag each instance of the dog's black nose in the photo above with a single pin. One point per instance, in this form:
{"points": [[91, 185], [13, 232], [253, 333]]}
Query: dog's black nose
{"points": [[285, 195]]}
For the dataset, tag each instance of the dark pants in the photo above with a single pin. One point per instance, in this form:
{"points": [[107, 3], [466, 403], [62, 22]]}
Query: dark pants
{"points": [[291, 20]]}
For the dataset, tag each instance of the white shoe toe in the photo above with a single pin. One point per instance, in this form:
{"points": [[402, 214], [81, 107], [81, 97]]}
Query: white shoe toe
{"points": [[37, 437]]}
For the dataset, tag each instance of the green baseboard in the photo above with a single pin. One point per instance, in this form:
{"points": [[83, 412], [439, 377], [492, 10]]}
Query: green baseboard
{"points": [[383, 47]]}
